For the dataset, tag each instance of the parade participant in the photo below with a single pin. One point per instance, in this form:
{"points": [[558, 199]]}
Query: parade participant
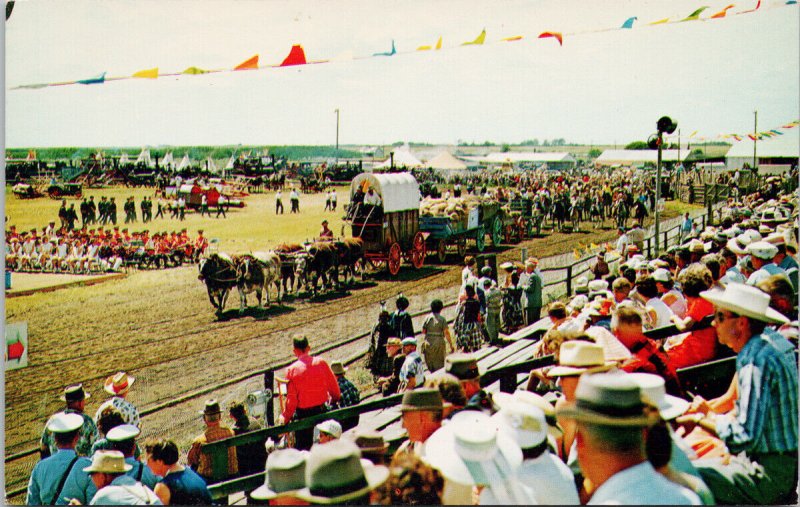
{"points": [[294, 200], [435, 331], [611, 419], [222, 203], [114, 486], [123, 439], [180, 485], [279, 202], [118, 386], [412, 373], [214, 430], [760, 431], [310, 385], [75, 397], [50, 482], [325, 233]]}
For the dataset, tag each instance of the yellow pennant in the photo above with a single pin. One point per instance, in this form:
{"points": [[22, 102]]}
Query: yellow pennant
{"points": [[147, 73]]}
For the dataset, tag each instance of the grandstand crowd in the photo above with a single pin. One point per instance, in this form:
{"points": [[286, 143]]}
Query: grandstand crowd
{"points": [[609, 422]]}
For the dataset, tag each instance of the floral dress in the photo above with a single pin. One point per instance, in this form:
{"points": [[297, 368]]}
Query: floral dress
{"points": [[512, 309]]}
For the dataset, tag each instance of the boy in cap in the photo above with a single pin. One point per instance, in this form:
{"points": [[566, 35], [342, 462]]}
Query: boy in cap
{"points": [[114, 487], [75, 397], [123, 439], [49, 482]]}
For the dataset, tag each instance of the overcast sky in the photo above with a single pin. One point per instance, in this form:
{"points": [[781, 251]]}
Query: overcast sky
{"points": [[601, 87]]}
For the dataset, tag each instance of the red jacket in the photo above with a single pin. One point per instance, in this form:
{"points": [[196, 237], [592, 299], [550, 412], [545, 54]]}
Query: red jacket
{"points": [[311, 383]]}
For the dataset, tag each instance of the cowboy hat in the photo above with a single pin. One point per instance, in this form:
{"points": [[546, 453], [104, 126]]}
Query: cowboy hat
{"points": [[523, 422], [576, 357], [75, 393], [370, 442], [654, 390], [108, 462], [738, 244], [507, 266], [462, 366], [336, 474], [118, 383], [338, 368], [608, 399], [429, 399], [502, 399], [745, 300], [286, 474], [212, 407]]}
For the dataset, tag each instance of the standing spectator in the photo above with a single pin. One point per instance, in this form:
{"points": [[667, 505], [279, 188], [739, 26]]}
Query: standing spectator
{"points": [[294, 200], [199, 460], [435, 331], [468, 328], [327, 201], [531, 284], [123, 439], [75, 398], [311, 385], [400, 319], [512, 315], [377, 361], [204, 205], [349, 392], [49, 483], [222, 203], [685, 229], [180, 485], [118, 386], [494, 305], [412, 373], [279, 202], [114, 487], [334, 198], [250, 457]]}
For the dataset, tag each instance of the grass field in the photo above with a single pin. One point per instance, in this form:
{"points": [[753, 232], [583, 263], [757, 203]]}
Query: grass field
{"points": [[252, 228]]}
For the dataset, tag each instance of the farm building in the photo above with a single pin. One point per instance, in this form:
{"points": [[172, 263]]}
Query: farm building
{"points": [[775, 155], [638, 158], [553, 160]]}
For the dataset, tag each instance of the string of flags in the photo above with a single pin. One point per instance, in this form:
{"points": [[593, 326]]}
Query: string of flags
{"points": [[297, 54], [754, 136]]}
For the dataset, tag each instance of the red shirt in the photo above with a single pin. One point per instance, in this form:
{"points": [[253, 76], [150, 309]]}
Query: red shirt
{"points": [[648, 358], [701, 345], [311, 383]]}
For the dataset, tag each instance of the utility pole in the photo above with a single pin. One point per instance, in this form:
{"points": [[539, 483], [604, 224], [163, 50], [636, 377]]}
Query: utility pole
{"points": [[337, 137], [755, 139]]}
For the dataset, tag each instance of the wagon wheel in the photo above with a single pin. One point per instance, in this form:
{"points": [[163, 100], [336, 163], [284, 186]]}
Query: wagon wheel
{"points": [[441, 251], [521, 228], [418, 251], [480, 239], [497, 232], [461, 247], [395, 257]]}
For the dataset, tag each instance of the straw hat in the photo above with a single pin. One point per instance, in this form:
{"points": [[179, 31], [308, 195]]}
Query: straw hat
{"points": [[335, 474], [286, 474], [118, 383], [64, 423], [523, 422], [654, 390], [745, 300], [577, 356], [762, 250], [608, 399], [470, 450], [108, 462], [338, 368]]}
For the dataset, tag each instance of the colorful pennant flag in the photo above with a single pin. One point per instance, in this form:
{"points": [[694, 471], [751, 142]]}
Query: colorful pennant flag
{"points": [[758, 6], [194, 71], [660, 21], [629, 22], [249, 64], [695, 15], [722, 13], [478, 40], [428, 48], [390, 53], [147, 73], [296, 56], [512, 39], [93, 80], [556, 35]]}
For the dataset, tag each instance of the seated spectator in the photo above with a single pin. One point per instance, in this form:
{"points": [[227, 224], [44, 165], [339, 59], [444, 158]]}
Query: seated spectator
{"points": [[621, 288], [657, 313], [350, 395], [371, 445], [671, 296], [412, 482], [327, 431], [201, 461], [114, 487], [701, 343], [784, 300], [412, 373], [250, 457], [452, 392], [180, 485], [389, 385], [286, 476]]}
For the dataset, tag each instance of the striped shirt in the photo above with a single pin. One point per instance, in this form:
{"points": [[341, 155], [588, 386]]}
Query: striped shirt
{"points": [[766, 407]]}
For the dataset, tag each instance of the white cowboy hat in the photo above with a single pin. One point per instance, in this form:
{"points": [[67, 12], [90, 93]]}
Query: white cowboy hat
{"points": [[738, 244], [654, 390], [745, 300], [523, 422], [577, 356]]}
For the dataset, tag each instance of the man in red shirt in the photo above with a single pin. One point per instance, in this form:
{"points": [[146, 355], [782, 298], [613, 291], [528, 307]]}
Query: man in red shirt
{"points": [[311, 384]]}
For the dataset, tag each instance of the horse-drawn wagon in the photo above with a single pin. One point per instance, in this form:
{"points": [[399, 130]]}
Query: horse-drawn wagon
{"points": [[458, 220], [528, 218], [390, 230]]}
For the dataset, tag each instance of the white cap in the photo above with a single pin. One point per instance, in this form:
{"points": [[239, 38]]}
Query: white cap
{"points": [[64, 423], [662, 275], [762, 250], [523, 422], [122, 432], [330, 427]]}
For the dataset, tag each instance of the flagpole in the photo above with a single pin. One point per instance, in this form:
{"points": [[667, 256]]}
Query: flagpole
{"points": [[755, 139], [337, 138]]}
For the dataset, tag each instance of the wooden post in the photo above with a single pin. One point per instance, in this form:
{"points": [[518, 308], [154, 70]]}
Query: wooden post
{"points": [[569, 280], [666, 241], [269, 386], [648, 245]]}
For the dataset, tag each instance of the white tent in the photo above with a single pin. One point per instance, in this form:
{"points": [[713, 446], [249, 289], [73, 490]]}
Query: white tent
{"points": [[211, 166], [402, 158], [144, 158], [780, 150], [638, 157], [184, 163], [446, 161], [124, 159], [528, 156], [167, 160]]}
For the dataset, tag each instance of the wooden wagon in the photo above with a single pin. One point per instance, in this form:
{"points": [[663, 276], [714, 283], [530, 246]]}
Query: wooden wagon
{"points": [[390, 231], [443, 232], [528, 222]]}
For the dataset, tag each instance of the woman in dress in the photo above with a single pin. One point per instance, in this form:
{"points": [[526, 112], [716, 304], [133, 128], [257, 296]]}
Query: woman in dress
{"points": [[511, 315], [469, 334], [378, 363], [435, 331]]}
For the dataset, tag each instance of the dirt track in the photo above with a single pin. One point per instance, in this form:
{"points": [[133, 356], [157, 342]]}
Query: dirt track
{"points": [[159, 327]]}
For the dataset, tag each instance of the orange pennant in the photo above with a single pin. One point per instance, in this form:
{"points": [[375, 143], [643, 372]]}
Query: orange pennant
{"points": [[722, 13], [296, 56], [249, 64], [556, 35]]}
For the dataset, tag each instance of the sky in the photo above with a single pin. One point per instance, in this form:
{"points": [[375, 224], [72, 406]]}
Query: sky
{"points": [[600, 87]]}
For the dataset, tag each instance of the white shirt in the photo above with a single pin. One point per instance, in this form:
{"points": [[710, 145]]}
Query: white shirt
{"points": [[548, 478], [642, 485], [612, 347], [622, 244], [679, 306], [372, 198], [663, 312]]}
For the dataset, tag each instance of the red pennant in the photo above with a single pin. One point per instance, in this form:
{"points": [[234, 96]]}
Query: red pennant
{"points": [[249, 64], [296, 56], [751, 136], [556, 35]]}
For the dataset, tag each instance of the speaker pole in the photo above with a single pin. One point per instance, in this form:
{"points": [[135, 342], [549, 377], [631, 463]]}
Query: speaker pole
{"points": [[658, 189]]}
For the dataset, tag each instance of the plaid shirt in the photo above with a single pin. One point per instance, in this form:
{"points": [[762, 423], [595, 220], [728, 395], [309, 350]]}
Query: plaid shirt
{"points": [[201, 461], [766, 406], [350, 395]]}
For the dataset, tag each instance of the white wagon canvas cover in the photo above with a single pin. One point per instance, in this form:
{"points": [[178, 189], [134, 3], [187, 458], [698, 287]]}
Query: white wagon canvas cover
{"points": [[398, 191]]}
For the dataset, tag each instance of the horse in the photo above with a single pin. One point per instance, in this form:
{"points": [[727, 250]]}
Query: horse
{"points": [[321, 261], [575, 216], [559, 214], [218, 272]]}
